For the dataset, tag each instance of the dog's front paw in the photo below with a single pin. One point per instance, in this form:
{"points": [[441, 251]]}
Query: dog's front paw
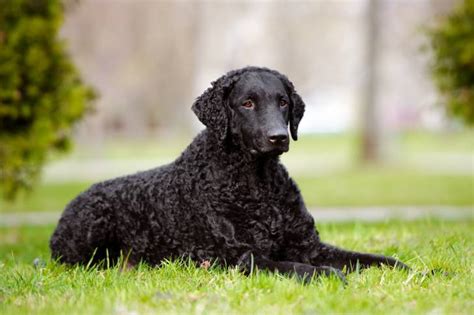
{"points": [[307, 272], [332, 272]]}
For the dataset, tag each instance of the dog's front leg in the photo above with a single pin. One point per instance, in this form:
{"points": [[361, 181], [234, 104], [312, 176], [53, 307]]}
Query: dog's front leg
{"points": [[302, 243], [305, 272], [339, 258]]}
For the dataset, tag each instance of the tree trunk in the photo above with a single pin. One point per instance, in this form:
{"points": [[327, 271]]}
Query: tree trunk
{"points": [[371, 133]]}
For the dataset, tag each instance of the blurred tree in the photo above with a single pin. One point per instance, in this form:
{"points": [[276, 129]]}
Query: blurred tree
{"points": [[452, 43], [41, 94]]}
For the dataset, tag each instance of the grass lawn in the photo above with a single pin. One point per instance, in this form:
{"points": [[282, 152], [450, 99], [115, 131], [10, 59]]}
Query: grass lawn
{"points": [[182, 289], [323, 166], [386, 186], [352, 187], [457, 142]]}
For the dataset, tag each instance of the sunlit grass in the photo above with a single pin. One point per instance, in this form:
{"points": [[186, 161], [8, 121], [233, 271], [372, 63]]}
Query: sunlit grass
{"points": [[45, 197], [180, 288], [386, 186]]}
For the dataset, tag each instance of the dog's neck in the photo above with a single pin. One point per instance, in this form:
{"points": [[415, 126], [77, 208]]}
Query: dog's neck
{"points": [[240, 160]]}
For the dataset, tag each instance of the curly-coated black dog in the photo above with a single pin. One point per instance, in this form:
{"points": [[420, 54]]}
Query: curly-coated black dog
{"points": [[227, 198]]}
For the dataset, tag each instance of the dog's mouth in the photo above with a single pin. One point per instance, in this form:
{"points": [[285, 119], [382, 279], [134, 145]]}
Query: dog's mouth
{"points": [[271, 150]]}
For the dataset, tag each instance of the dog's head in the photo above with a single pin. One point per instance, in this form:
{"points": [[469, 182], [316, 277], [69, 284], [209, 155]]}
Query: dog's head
{"points": [[253, 107]]}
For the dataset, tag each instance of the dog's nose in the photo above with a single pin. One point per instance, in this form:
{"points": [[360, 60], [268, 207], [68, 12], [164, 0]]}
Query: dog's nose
{"points": [[279, 137]]}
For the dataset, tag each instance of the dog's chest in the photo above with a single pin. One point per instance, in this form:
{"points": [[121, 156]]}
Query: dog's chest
{"points": [[262, 226], [245, 210], [256, 214]]}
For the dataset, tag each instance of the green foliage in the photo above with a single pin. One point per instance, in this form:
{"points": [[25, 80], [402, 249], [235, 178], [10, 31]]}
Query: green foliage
{"points": [[452, 42], [41, 93]]}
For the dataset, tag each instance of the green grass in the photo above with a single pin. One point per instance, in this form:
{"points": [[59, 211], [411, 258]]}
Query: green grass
{"points": [[352, 187], [45, 197], [386, 186], [447, 142], [178, 288], [420, 141], [322, 165]]}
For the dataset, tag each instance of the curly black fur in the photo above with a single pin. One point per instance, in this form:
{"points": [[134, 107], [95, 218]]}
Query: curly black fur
{"points": [[217, 201]]}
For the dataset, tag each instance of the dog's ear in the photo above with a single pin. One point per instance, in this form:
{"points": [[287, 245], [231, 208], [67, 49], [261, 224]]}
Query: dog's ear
{"points": [[212, 107], [296, 106], [296, 114]]}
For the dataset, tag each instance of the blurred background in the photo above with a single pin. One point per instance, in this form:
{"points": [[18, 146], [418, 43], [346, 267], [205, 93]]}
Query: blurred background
{"points": [[375, 133]]}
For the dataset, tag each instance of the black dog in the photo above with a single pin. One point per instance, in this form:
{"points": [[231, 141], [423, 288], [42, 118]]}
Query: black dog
{"points": [[227, 198]]}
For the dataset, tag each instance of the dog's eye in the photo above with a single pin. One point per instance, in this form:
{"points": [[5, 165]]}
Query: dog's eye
{"points": [[248, 104], [283, 103]]}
